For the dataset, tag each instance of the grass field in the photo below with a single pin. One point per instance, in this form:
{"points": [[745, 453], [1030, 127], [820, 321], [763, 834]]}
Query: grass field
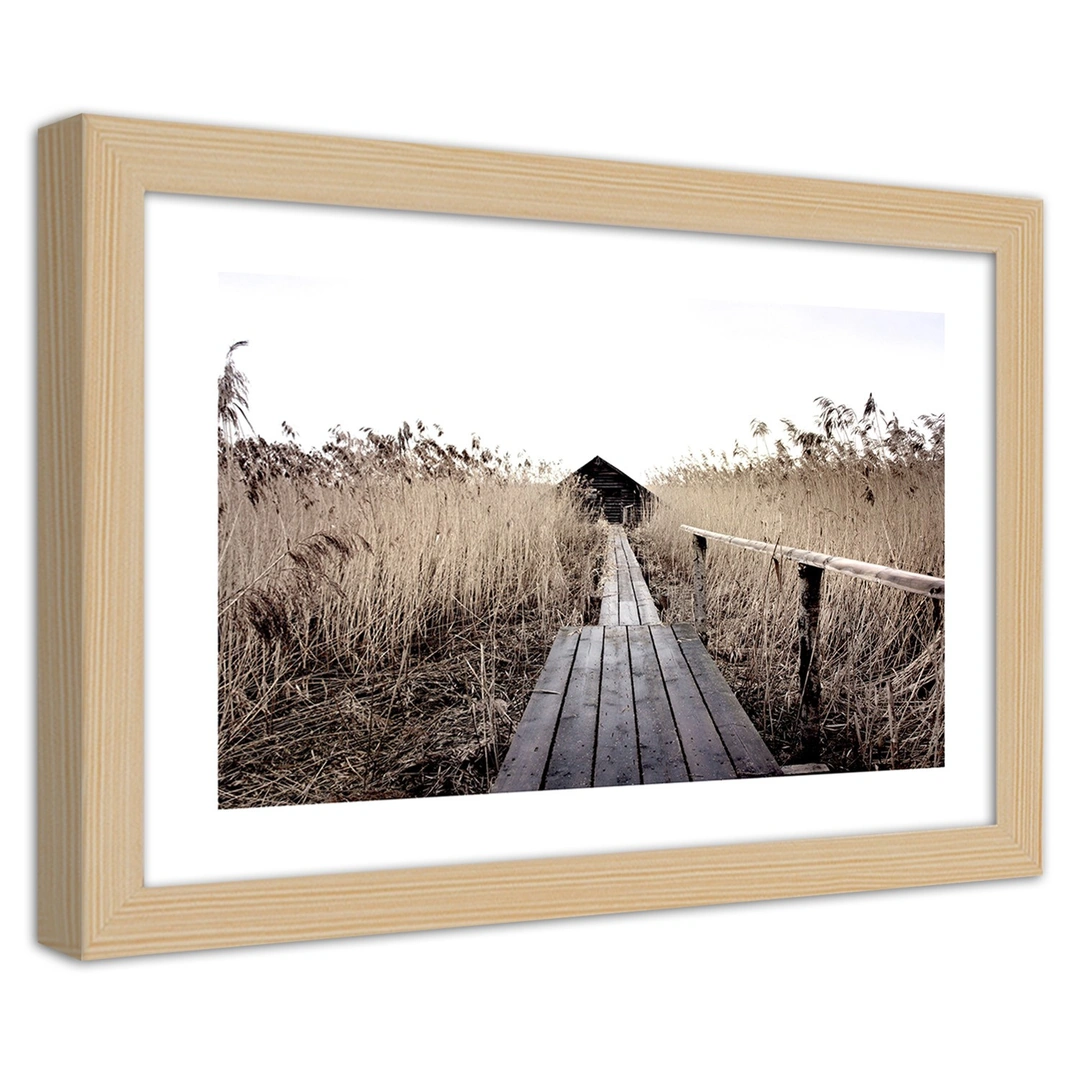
{"points": [[385, 605], [861, 486], [386, 602]]}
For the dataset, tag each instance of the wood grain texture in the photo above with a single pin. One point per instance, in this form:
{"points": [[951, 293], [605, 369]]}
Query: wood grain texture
{"points": [[922, 584], [94, 172], [526, 760], [626, 598], [647, 613], [59, 527], [633, 704], [616, 726], [749, 755], [181, 918], [659, 747], [1019, 532], [703, 749], [574, 748]]}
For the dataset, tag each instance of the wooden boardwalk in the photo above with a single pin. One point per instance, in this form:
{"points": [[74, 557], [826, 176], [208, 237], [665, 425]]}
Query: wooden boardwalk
{"points": [[626, 598], [631, 701]]}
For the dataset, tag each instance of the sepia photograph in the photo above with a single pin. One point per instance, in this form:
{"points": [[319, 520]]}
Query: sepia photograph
{"points": [[519, 506]]}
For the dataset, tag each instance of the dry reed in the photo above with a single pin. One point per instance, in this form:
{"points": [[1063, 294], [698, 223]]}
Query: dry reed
{"points": [[385, 604], [865, 488]]}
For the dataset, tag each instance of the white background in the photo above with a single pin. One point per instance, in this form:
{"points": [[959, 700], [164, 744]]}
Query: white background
{"points": [[970, 980]]}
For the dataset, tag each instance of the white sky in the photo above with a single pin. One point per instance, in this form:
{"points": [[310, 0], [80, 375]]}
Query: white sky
{"points": [[559, 341]]}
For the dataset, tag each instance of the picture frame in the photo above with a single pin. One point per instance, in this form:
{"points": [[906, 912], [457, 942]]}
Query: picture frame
{"points": [[94, 173]]}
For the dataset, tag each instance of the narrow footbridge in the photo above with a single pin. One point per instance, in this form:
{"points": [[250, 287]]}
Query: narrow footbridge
{"points": [[630, 701]]}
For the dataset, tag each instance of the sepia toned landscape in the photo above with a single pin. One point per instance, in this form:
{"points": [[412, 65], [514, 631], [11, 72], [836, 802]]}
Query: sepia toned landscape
{"points": [[393, 607]]}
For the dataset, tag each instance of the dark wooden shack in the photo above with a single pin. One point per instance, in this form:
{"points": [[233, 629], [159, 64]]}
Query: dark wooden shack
{"points": [[609, 491]]}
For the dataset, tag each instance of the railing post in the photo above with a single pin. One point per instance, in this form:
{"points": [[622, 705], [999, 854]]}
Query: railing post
{"points": [[809, 682], [700, 544]]}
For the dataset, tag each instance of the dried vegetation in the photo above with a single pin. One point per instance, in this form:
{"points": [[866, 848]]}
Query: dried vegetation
{"points": [[858, 485], [385, 605], [386, 601]]}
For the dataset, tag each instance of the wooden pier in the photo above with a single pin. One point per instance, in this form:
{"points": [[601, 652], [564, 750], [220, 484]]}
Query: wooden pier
{"points": [[626, 597], [631, 701]]}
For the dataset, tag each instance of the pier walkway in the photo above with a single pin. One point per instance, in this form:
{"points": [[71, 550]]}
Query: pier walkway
{"points": [[631, 701]]}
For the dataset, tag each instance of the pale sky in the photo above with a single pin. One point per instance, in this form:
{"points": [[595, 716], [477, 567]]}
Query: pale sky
{"points": [[635, 383], [564, 341]]}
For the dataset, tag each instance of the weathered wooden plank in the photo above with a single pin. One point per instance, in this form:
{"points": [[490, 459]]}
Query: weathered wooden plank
{"points": [[628, 608], [658, 742], [626, 600], [809, 679], [703, 749], [700, 609], [647, 610], [609, 610], [647, 613], [924, 584], [747, 750], [525, 761], [571, 763], [616, 733], [609, 602]]}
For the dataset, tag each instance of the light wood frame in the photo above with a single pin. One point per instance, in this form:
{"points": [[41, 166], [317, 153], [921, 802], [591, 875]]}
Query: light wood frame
{"points": [[93, 174]]}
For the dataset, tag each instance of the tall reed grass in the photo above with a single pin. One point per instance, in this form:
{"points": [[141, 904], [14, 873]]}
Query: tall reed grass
{"points": [[860, 486], [385, 603]]}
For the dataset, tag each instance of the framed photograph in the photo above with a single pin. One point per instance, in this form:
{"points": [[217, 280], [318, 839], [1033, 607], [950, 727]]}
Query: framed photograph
{"points": [[385, 489]]}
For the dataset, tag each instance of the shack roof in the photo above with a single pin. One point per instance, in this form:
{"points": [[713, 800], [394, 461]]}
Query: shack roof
{"points": [[598, 463]]}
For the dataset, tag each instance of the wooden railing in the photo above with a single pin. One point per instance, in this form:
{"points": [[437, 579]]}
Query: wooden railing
{"points": [[811, 564]]}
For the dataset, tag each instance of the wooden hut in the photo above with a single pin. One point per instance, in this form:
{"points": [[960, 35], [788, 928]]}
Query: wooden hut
{"points": [[609, 491]]}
